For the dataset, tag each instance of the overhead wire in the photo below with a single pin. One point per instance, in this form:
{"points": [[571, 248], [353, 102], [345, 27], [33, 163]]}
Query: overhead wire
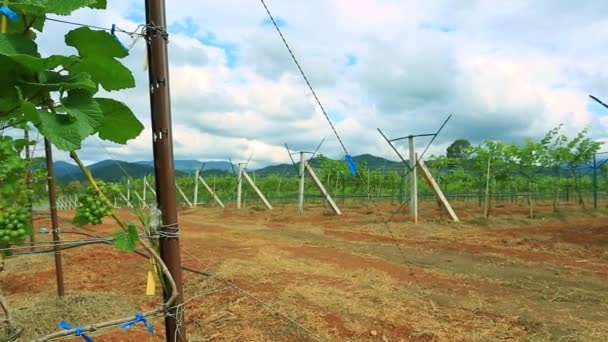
{"points": [[291, 53], [116, 29], [312, 90]]}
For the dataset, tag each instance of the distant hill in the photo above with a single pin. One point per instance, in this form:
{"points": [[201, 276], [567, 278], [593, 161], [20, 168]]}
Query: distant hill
{"points": [[109, 171], [62, 169], [189, 165], [281, 169], [376, 163], [112, 171], [373, 163]]}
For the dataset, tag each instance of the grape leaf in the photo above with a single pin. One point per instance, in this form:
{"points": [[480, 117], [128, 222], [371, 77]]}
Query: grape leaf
{"points": [[108, 72], [54, 81], [17, 44], [35, 64], [95, 44], [30, 113], [119, 123], [126, 240], [65, 133], [79, 105], [61, 7], [99, 4]]}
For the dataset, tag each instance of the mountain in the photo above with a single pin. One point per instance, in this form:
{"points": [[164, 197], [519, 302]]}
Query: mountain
{"points": [[63, 168], [373, 163], [281, 169], [109, 171], [113, 170], [376, 163], [189, 165]]}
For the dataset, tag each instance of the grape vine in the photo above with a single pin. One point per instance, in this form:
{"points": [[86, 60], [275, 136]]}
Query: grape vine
{"points": [[92, 208], [58, 96]]}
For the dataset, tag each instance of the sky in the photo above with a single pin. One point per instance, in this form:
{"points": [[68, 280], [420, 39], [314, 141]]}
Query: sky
{"points": [[505, 70]]}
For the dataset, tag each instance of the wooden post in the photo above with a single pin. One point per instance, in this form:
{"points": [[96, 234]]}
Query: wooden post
{"points": [[319, 185], [257, 191], [164, 167], [426, 174], [141, 200], [181, 192], [149, 187], [54, 217], [126, 200], [413, 180], [211, 191], [301, 189]]}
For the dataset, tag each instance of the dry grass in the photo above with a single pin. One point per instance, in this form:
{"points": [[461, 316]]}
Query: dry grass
{"points": [[40, 316]]}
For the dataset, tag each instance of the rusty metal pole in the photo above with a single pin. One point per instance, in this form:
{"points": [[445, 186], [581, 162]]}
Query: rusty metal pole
{"points": [[162, 138], [54, 219]]}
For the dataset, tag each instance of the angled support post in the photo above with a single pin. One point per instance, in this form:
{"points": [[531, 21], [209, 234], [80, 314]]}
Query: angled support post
{"points": [[426, 174], [146, 184], [181, 192], [319, 185], [126, 199], [210, 190], [142, 200], [257, 191]]}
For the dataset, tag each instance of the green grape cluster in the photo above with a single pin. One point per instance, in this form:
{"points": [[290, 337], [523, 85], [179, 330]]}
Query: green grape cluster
{"points": [[14, 225], [92, 207]]}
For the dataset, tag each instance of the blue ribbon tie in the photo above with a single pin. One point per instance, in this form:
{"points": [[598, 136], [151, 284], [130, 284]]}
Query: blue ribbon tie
{"points": [[9, 13], [351, 165], [139, 318], [78, 332], [113, 33]]}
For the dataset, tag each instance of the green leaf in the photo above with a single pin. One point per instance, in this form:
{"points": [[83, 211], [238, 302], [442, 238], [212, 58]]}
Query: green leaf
{"points": [[99, 4], [54, 81], [61, 7], [108, 72], [17, 44], [98, 51], [30, 112], [95, 44], [36, 64], [79, 104], [119, 123], [80, 221], [126, 241], [62, 131]]}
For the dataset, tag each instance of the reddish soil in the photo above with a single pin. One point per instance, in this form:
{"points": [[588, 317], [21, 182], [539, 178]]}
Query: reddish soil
{"points": [[212, 237]]}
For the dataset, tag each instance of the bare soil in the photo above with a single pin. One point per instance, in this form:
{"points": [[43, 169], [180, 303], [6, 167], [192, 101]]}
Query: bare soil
{"points": [[281, 276]]}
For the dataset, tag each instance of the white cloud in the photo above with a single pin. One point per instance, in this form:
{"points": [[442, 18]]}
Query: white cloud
{"points": [[505, 70]]}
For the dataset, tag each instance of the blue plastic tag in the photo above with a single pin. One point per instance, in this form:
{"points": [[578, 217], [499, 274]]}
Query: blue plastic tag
{"points": [[9, 13], [138, 318], [113, 33], [78, 332], [351, 165]]}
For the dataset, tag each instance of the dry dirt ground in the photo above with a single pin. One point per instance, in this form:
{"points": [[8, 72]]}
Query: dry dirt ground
{"points": [[281, 276]]}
